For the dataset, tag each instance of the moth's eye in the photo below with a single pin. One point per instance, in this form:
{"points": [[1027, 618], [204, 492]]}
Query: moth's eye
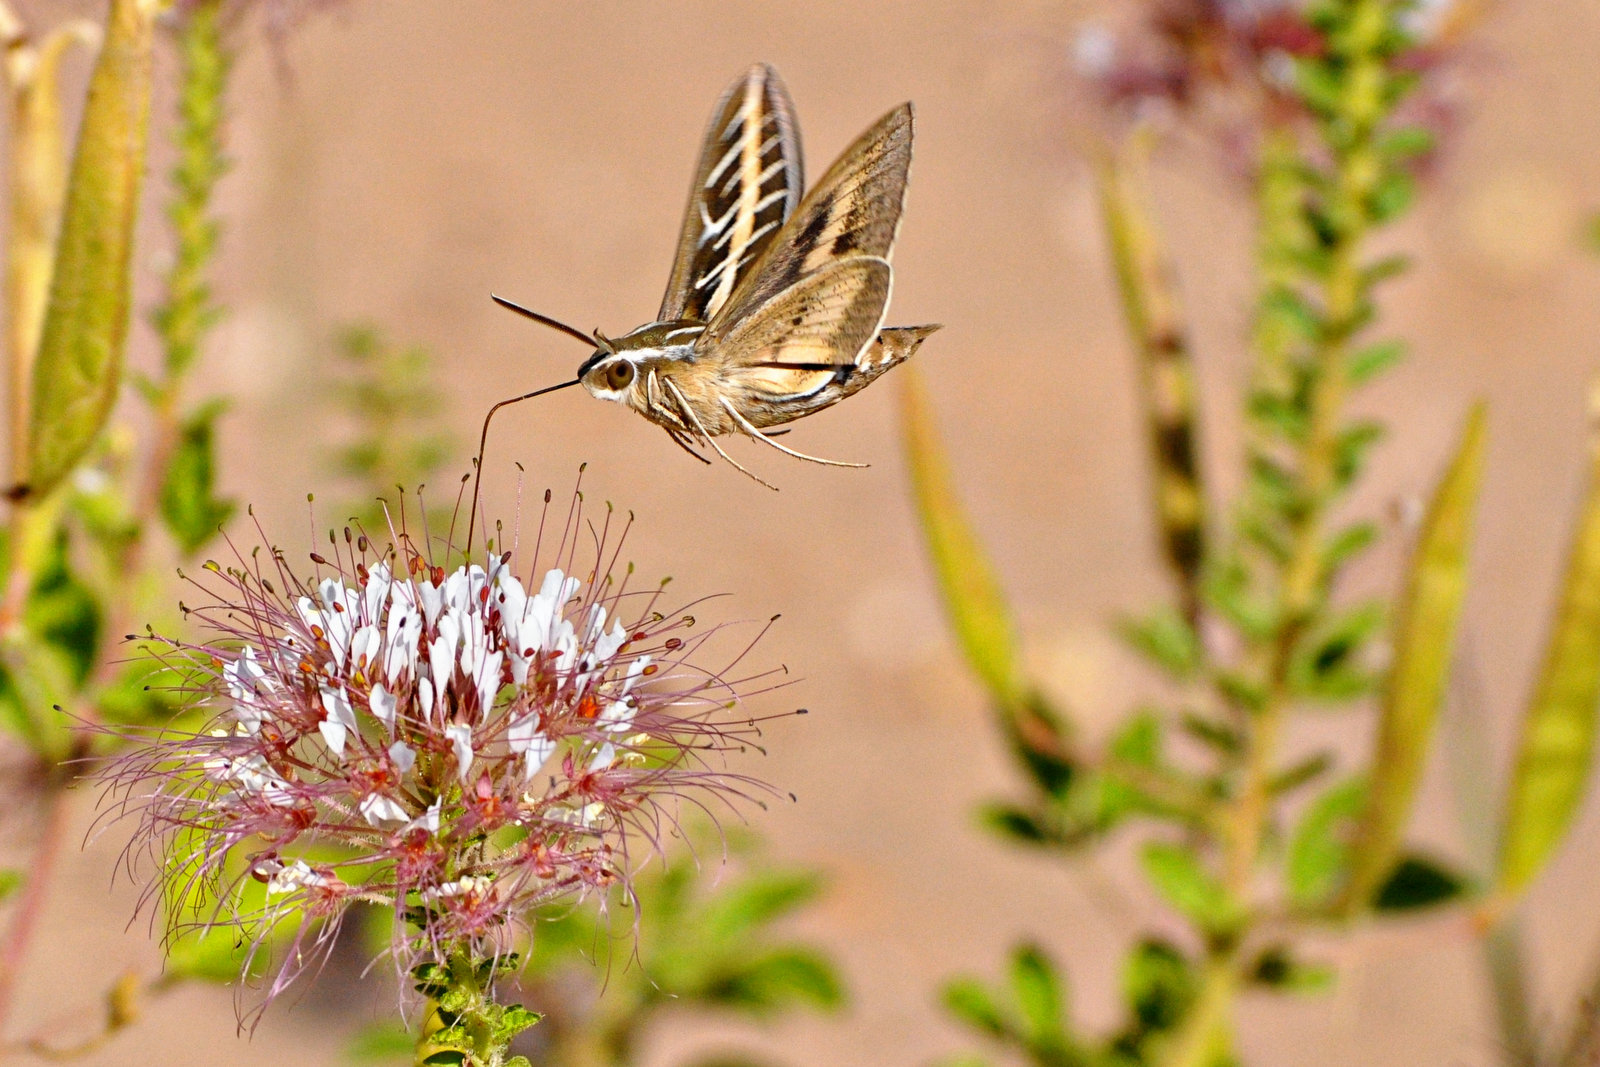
{"points": [[620, 374]]}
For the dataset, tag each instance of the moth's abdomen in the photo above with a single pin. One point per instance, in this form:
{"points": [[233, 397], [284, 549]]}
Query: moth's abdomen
{"points": [[773, 396]]}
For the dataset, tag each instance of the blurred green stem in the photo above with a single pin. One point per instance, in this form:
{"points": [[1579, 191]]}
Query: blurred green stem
{"points": [[1302, 576], [1508, 979], [52, 833], [188, 311]]}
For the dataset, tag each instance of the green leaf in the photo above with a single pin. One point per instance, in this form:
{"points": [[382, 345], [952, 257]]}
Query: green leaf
{"points": [[1348, 543], [778, 981], [1017, 823], [189, 505], [1037, 993], [1319, 851], [1555, 752], [1418, 882], [1183, 880], [1277, 969], [1368, 363], [972, 1003], [1219, 736], [381, 1044], [1408, 142], [1352, 446], [756, 899], [1168, 640], [976, 605], [1158, 983], [10, 881], [1303, 773], [1394, 194], [1327, 663], [63, 612], [513, 1020], [79, 362], [1424, 646]]}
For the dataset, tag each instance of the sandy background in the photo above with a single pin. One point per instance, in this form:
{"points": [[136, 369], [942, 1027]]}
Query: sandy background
{"points": [[423, 154]]}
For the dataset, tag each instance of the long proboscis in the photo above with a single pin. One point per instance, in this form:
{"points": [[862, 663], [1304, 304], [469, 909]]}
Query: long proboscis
{"points": [[483, 443], [483, 438]]}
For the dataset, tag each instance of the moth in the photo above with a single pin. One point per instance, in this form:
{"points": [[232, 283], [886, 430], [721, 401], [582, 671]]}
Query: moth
{"points": [[775, 306]]}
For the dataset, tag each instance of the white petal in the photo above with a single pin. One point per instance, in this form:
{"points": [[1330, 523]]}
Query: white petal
{"points": [[332, 731], [364, 646], [487, 680], [382, 704], [432, 600], [607, 644], [341, 718], [404, 631], [244, 675], [428, 820], [442, 651], [378, 809], [375, 593], [403, 756], [425, 696], [460, 736], [635, 672]]}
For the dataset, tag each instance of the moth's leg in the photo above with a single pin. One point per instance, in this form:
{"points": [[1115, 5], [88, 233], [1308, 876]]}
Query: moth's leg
{"points": [[677, 439], [688, 413], [764, 439]]}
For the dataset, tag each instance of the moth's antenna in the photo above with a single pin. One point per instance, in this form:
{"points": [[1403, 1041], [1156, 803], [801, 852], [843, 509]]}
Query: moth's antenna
{"points": [[543, 320], [483, 441]]}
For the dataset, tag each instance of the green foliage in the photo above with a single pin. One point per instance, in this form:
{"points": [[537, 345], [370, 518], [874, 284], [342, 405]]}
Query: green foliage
{"points": [[973, 598], [1417, 882], [699, 945], [1319, 851], [389, 398], [1193, 890], [1264, 634], [189, 311], [1425, 640], [1277, 969], [1555, 753], [1168, 640], [189, 505]]}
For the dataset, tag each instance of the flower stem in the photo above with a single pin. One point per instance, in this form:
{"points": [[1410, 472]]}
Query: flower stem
{"points": [[1311, 459], [41, 869]]}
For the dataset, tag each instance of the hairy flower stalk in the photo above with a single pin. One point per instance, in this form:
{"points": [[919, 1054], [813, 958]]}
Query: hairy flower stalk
{"points": [[462, 746]]}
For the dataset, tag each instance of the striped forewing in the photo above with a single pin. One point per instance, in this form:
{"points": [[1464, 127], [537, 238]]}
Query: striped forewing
{"points": [[853, 211], [747, 182], [824, 320]]}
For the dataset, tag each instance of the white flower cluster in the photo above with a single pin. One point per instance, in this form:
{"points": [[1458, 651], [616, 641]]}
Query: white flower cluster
{"points": [[430, 660]]}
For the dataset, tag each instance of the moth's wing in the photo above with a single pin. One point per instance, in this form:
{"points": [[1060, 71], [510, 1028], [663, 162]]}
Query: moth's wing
{"points": [[747, 182], [795, 343], [853, 211]]}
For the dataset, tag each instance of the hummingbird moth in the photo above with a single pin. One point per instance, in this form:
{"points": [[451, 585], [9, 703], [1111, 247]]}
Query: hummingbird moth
{"points": [[775, 306]]}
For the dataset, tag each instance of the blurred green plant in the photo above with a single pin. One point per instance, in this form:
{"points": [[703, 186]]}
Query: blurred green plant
{"points": [[98, 510], [704, 941], [1251, 850], [387, 396]]}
